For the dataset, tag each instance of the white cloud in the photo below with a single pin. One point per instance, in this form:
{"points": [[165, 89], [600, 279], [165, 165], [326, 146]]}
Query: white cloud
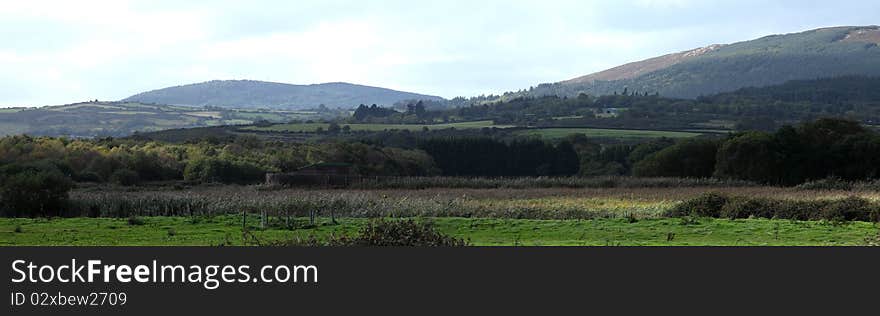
{"points": [[63, 51]]}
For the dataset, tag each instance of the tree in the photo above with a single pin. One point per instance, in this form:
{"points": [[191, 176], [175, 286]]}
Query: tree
{"points": [[567, 161], [688, 158], [753, 156], [334, 128], [33, 189]]}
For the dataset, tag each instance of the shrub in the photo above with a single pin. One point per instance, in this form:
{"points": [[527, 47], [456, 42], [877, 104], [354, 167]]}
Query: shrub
{"points": [[830, 183], [705, 205], [740, 207], [87, 176], [224, 171], [386, 233], [407, 233], [135, 221], [125, 177], [35, 189], [715, 205], [850, 209], [800, 210]]}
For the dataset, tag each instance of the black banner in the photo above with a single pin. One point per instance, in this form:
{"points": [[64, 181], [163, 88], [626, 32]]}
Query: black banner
{"points": [[413, 281]]}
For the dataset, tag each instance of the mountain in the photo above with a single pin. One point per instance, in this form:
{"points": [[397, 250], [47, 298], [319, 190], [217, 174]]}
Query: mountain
{"points": [[260, 94], [821, 53]]}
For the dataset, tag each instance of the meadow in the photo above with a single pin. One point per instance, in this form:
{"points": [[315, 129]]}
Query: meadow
{"points": [[227, 230], [312, 127], [625, 213], [555, 133]]}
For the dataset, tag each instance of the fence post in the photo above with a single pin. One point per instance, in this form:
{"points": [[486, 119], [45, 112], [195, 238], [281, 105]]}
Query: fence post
{"points": [[243, 221]]}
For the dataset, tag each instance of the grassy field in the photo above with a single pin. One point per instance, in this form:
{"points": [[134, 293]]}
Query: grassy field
{"points": [[555, 133], [9, 110], [211, 215], [311, 127], [227, 230]]}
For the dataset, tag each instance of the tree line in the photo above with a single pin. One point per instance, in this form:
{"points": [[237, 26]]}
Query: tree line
{"points": [[481, 156], [824, 148]]}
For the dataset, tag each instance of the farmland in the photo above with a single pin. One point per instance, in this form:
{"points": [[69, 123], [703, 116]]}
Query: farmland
{"points": [[89, 119], [555, 133], [312, 127]]}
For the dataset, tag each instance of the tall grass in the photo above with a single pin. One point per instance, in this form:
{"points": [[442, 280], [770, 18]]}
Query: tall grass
{"points": [[531, 203], [499, 203], [541, 182]]}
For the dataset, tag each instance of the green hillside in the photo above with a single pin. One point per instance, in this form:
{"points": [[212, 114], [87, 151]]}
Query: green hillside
{"points": [[100, 119], [271, 95], [770, 60]]}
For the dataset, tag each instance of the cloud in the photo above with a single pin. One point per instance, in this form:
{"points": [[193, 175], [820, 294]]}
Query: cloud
{"points": [[56, 52]]}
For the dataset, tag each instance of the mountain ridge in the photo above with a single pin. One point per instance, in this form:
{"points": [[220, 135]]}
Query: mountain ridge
{"points": [[275, 95], [765, 61]]}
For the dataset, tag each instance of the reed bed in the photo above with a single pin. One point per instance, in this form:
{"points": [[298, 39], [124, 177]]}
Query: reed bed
{"points": [[541, 203], [415, 183]]}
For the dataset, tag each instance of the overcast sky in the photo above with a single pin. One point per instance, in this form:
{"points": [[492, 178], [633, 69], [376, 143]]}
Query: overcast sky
{"points": [[57, 52]]}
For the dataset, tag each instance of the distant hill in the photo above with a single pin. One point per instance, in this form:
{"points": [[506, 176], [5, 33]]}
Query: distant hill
{"points": [[271, 95], [101, 119], [821, 53]]}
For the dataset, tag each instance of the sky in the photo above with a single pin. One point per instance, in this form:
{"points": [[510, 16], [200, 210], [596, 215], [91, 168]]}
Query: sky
{"points": [[60, 52]]}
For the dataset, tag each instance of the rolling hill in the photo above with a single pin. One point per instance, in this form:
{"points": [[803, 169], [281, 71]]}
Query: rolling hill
{"points": [[271, 95], [101, 119], [821, 53]]}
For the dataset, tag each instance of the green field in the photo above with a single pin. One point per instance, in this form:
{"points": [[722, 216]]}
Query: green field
{"points": [[554, 133], [312, 127], [227, 230]]}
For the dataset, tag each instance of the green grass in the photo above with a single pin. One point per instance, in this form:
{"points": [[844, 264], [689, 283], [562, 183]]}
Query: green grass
{"points": [[311, 127], [484, 232], [555, 133]]}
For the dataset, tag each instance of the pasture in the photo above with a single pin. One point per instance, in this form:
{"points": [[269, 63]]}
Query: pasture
{"points": [[312, 127], [227, 230], [555, 133]]}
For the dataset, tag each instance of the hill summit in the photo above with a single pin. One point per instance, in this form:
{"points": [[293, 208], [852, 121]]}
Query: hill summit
{"points": [[273, 95], [770, 60]]}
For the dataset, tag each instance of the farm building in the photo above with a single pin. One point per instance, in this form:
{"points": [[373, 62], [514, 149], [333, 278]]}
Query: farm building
{"points": [[608, 112], [317, 174]]}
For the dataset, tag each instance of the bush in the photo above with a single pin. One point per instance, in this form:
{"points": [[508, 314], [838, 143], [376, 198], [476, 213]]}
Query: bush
{"points": [[800, 210], [830, 183], [125, 177], [850, 209], [220, 170], [87, 176], [740, 207], [403, 233], [719, 206], [706, 205], [386, 233], [135, 221], [32, 190]]}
